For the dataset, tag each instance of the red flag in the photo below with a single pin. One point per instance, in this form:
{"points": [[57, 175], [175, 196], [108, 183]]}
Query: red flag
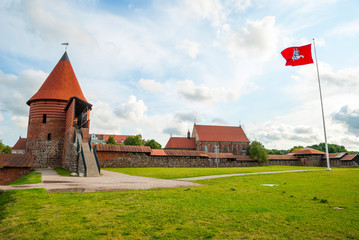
{"points": [[298, 55]]}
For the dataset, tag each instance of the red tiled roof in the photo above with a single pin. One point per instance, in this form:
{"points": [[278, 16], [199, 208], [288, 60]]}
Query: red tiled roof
{"points": [[220, 133], [181, 143], [185, 153], [308, 151], [20, 144], [118, 138], [244, 158], [221, 155], [158, 152], [336, 155], [16, 160], [349, 157], [281, 157], [61, 84], [122, 148]]}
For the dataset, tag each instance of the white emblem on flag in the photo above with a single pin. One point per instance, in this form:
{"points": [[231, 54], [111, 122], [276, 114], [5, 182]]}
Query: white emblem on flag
{"points": [[296, 55]]}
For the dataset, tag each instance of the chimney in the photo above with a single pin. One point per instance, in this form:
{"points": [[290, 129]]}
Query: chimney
{"points": [[188, 135]]}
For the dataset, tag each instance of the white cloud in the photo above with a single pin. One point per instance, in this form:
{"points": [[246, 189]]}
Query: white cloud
{"points": [[258, 40], [348, 29], [16, 90], [20, 121], [1, 117], [211, 10], [103, 120], [189, 47], [192, 92], [132, 110], [150, 85]]}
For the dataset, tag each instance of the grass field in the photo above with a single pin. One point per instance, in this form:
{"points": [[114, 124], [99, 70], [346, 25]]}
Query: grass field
{"points": [[174, 173], [301, 207], [31, 178]]}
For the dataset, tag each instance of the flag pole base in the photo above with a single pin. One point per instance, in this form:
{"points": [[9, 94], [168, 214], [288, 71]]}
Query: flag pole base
{"points": [[329, 169]]}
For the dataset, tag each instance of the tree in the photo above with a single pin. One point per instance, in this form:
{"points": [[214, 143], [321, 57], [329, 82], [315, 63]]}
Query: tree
{"points": [[4, 148], [111, 140], [295, 148], [153, 144], [332, 148], [257, 151], [136, 140], [276, 152]]}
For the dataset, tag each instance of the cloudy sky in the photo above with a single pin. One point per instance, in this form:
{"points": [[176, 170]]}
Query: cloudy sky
{"points": [[155, 67]]}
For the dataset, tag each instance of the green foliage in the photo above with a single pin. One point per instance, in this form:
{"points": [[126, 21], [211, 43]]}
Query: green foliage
{"points": [[4, 148], [153, 144], [111, 140], [276, 152], [257, 151], [62, 171], [31, 178], [295, 148], [243, 207], [136, 140], [332, 148]]}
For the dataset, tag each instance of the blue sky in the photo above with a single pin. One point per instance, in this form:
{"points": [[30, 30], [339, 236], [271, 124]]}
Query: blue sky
{"points": [[152, 67]]}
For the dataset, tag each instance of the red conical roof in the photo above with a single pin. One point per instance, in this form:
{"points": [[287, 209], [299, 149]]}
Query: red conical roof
{"points": [[61, 84]]}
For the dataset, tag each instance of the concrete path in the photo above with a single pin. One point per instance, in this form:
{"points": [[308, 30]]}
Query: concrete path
{"points": [[243, 174], [109, 181]]}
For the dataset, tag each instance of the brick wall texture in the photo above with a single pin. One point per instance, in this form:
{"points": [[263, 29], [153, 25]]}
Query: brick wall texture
{"points": [[10, 174]]}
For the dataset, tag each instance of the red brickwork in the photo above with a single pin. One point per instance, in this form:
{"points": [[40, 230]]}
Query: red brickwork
{"points": [[10, 174], [224, 147]]}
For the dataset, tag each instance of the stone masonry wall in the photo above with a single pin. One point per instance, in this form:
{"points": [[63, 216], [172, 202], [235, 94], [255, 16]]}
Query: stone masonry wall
{"points": [[128, 160], [46, 153]]}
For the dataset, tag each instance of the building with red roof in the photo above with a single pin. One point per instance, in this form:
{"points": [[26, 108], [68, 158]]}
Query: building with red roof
{"points": [[229, 139], [20, 146]]}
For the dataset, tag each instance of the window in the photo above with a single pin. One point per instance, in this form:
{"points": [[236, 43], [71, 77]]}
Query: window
{"points": [[49, 136], [206, 148], [43, 118]]}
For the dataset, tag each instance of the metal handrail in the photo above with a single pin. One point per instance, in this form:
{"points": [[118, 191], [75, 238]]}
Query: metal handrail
{"points": [[97, 161], [83, 160]]}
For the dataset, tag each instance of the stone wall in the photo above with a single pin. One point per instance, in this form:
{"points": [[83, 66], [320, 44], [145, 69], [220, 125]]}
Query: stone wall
{"points": [[10, 174], [128, 160], [47, 153]]}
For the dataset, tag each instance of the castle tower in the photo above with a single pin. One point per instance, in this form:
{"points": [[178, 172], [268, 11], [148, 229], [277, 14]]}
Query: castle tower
{"points": [[49, 116]]}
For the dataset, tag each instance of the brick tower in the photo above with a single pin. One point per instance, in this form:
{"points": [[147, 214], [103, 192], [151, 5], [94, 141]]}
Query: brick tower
{"points": [[49, 116]]}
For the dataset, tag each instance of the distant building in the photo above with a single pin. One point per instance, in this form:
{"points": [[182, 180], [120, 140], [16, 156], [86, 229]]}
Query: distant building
{"points": [[20, 146], [102, 138], [229, 139]]}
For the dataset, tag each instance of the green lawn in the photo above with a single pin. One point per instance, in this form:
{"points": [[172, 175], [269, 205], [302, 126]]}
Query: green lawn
{"points": [[225, 208], [174, 173], [31, 178]]}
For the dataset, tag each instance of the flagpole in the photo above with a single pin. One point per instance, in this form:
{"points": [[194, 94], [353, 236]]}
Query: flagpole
{"points": [[321, 102]]}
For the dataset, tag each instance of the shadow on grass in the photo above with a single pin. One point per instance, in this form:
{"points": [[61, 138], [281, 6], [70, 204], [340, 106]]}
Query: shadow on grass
{"points": [[5, 199]]}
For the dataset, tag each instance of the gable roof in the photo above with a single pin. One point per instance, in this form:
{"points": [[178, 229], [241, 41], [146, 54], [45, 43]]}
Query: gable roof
{"points": [[308, 151], [337, 155], [181, 143], [61, 84], [213, 133], [349, 157], [16, 160], [20, 144], [122, 148]]}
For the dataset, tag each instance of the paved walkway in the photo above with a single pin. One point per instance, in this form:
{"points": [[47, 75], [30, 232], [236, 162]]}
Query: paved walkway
{"points": [[112, 181], [109, 181]]}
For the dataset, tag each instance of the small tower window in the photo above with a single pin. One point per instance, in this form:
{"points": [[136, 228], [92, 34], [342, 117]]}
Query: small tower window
{"points": [[206, 148], [49, 136], [43, 118]]}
